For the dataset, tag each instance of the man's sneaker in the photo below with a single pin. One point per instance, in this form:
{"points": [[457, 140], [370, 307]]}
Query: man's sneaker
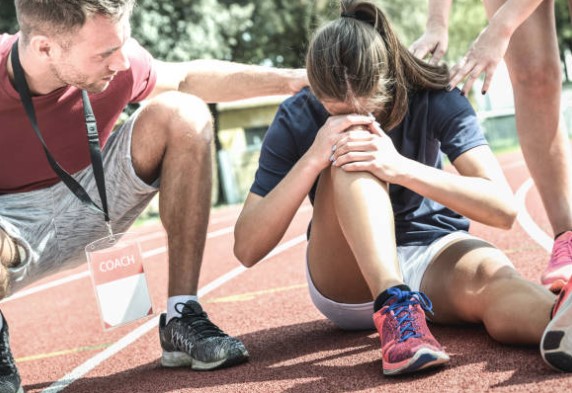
{"points": [[556, 343], [559, 267], [193, 340], [10, 381], [407, 345]]}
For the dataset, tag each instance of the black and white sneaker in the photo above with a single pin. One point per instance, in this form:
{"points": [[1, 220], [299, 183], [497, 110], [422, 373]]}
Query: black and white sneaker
{"points": [[193, 340], [10, 381]]}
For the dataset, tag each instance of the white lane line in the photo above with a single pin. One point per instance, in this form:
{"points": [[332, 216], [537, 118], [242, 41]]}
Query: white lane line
{"points": [[84, 274], [43, 287], [131, 337], [163, 234], [220, 232], [526, 222], [234, 215]]}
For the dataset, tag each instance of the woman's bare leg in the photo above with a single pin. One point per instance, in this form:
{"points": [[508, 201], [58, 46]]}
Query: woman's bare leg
{"points": [[472, 281]]}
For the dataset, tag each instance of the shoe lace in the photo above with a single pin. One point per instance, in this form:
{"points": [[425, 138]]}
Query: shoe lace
{"points": [[401, 308], [563, 250], [198, 322]]}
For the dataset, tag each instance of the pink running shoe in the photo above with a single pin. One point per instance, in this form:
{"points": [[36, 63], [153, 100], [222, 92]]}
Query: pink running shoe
{"points": [[556, 343], [559, 267], [407, 345]]}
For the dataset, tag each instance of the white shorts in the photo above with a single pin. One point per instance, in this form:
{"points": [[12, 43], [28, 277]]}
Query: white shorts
{"points": [[413, 262]]}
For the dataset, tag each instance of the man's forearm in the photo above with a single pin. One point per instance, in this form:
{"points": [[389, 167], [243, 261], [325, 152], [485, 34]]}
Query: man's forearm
{"points": [[219, 81]]}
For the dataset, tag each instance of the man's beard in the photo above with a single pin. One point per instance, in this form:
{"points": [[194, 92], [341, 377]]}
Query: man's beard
{"points": [[79, 80]]}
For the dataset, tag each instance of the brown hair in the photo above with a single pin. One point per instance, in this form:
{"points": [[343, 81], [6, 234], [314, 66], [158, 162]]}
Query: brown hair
{"points": [[358, 55], [61, 17]]}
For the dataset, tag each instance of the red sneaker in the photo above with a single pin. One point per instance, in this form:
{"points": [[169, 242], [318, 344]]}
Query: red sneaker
{"points": [[407, 345], [559, 267], [556, 343]]}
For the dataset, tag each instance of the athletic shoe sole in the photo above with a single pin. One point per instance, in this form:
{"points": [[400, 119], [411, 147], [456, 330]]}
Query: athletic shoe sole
{"points": [[423, 359], [556, 343], [182, 359]]}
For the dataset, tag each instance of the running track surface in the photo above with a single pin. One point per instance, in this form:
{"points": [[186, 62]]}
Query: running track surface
{"points": [[59, 344]]}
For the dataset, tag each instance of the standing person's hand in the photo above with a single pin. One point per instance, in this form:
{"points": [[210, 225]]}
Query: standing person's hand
{"points": [[483, 56], [432, 45]]}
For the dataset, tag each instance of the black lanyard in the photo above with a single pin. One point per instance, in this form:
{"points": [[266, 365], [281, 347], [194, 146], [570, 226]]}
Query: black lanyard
{"points": [[92, 136]]}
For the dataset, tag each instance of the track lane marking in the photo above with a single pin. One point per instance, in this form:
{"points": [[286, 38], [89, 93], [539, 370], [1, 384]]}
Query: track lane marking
{"points": [[131, 337], [525, 220], [61, 353], [243, 297], [225, 299]]}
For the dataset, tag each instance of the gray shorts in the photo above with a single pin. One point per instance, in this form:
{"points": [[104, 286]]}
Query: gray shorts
{"points": [[51, 227], [413, 262]]}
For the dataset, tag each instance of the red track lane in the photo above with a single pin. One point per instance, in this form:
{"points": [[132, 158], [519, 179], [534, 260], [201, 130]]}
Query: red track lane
{"points": [[292, 347]]}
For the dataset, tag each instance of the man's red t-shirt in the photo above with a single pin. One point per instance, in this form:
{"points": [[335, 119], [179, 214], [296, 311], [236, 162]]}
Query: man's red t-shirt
{"points": [[23, 163]]}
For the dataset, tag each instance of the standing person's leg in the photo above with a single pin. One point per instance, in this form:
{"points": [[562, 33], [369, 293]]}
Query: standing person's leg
{"points": [[171, 141], [472, 281], [352, 259], [534, 66]]}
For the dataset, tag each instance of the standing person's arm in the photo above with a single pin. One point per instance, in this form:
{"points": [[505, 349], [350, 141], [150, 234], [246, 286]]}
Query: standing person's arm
{"points": [[219, 81], [486, 51], [490, 46], [435, 40]]}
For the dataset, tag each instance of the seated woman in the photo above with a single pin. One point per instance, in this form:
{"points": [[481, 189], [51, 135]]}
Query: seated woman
{"points": [[390, 227]]}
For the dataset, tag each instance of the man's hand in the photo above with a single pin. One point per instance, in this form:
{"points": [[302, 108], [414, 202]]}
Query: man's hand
{"points": [[299, 80]]}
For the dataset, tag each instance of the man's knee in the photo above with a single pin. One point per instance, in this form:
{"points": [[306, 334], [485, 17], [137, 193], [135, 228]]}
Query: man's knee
{"points": [[185, 117]]}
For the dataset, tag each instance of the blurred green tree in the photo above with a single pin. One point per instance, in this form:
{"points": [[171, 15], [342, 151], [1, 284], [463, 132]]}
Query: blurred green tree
{"points": [[276, 32], [466, 21], [564, 31], [408, 18], [181, 30], [279, 31], [8, 23]]}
